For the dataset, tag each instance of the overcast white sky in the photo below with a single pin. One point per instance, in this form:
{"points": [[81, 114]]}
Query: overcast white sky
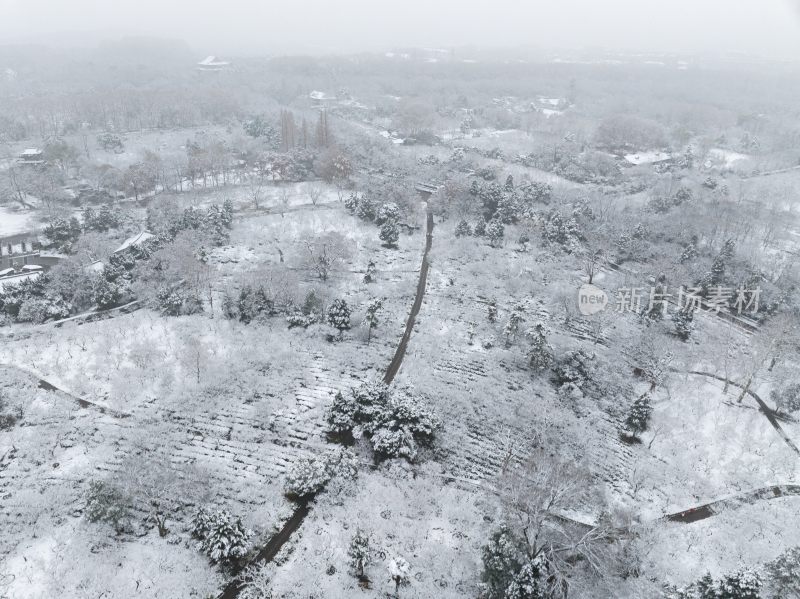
{"points": [[764, 27]]}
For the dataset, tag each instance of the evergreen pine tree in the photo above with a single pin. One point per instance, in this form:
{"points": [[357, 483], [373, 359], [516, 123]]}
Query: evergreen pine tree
{"points": [[495, 232], [339, 316], [683, 321], [480, 228], [639, 415], [390, 234]]}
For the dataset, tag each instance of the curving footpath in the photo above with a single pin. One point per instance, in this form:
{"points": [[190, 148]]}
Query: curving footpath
{"points": [[268, 552]]}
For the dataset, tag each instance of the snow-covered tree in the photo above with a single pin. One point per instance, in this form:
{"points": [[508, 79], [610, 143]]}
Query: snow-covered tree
{"points": [[491, 310], [540, 354], [339, 316], [390, 234], [463, 229], [359, 552], [683, 321], [369, 276], [386, 213], [394, 420], [639, 415], [495, 232], [480, 227], [106, 502], [222, 536], [515, 320], [308, 476], [787, 399], [371, 318], [784, 574]]}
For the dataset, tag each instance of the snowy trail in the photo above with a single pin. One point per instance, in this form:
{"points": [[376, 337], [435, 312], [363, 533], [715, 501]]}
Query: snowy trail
{"points": [[397, 360]]}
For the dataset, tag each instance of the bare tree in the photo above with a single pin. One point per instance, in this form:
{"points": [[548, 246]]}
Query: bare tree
{"points": [[325, 252], [255, 188], [540, 498], [314, 192]]}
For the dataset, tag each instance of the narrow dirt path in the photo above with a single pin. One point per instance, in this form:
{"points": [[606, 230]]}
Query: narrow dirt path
{"points": [[399, 354], [268, 552], [701, 512]]}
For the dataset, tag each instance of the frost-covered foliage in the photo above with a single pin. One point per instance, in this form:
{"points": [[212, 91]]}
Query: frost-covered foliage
{"points": [[744, 584], [562, 231], [633, 245], [253, 304], [575, 373], [106, 503], [223, 537], [683, 321], [62, 234], [507, 572], [540, 354], [513, 324], [495, 232], [388, 212], [639, 414], [463, 229], [784, 574], [178, 301], [359, 552], [400, 573], [369, 276], [371, 316], [480, 228], [389, 234], [309, 476], [394, 420], [787, 399], [339, 315], [215, 222]]}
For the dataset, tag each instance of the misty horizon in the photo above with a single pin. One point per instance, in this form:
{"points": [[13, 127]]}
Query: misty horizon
{"points": [[766, 29]]}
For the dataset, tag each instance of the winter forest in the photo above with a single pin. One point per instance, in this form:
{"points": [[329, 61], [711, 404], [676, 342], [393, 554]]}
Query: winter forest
{"points": [[409, 322]]}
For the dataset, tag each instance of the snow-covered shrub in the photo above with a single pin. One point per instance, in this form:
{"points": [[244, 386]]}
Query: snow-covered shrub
{"points": [[298, 319], [177, 302], [8, 416], [574, 371], [106, 503], [309, 476], [507, 571], [223, 537], [351, 203], [480, 228], [400, 573], [365, 209], [463, 229]]}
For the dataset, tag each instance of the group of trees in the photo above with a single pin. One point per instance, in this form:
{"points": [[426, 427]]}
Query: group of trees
{"points": [[394, 421]]}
